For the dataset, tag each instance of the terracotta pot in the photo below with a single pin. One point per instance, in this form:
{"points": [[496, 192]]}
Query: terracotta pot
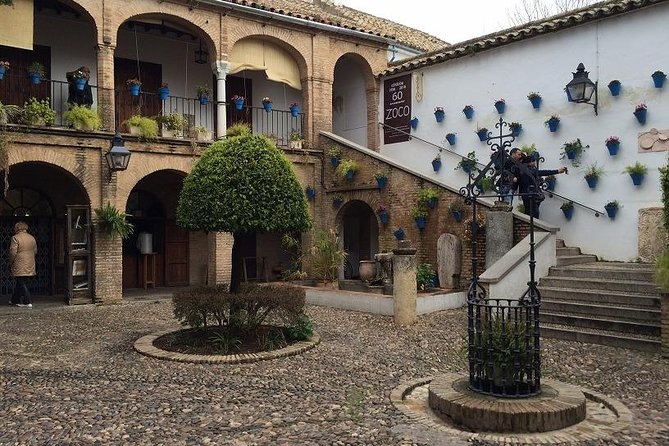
{"points": [[367, 270]]}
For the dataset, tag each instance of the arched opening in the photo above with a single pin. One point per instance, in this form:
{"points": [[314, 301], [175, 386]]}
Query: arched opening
{"points": [[349, 101], [361, 236], [39, 194], [151, 208]]}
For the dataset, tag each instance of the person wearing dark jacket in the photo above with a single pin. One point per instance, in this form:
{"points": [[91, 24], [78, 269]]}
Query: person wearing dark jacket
{"points": [[510, 174], [529, 182], [75, 96]]}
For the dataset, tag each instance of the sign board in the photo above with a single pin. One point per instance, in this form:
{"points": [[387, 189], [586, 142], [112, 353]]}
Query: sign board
{"points": [[396, 109]]}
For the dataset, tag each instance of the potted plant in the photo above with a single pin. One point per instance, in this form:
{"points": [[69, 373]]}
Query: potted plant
{"points": [[535, 99], [134, 86], [516, 128], [381, 179], [267, 104], [172, 125], [311, 193], [457, 209], [658, 78], [613, 144], [38, 113], [612, 208], [428, 196], [568, 209], [337, 201], [637, 172], [79, 80], [203, 94], [482, 133], [202, 133], [164, 91], [142, 126], [294, 109], [8, 113], [419, 214], [450, 137], [83, 118], [238, 101], [500, 105], [335, 156], [382, 212], [439, 113], [550, 182], [399, 233], [528, 149], [640, 112], [4, 67], [414, 123], [573, 150], [436, 163], [468, 163], [347, 169], [614, 87], [112, 222], [553, 123], [484, 185], [592, 174], [296, 140], [36, 72], [468, 111]]}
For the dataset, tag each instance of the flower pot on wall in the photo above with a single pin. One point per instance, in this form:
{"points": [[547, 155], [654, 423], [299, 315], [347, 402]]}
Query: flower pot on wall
{"points": [[36, 78], [550, 184], [658, 79], [436, 165], [431, 203], [553, 125], [439, 115], [469, 112], [641, 116], [414, 123], [500, 106], [399, 234], [516, 131], [350, 174], [468, 167], [164, 93], [536, 103], [420, 223], [568, 213], [637, 178], [457, 215], [483, 135], [451, 138], [613, 148], [336, 203], [381, 182], [267, 106], [239, 104], [204, 100], [294, 111], [384, 217], [571, 156], [611, 211], [134, 89], [311, 193], [592, 182], [335, 161], [614, 88]]}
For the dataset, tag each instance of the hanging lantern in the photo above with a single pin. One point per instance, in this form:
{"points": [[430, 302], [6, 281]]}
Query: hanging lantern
{"points": [[201, 55]]}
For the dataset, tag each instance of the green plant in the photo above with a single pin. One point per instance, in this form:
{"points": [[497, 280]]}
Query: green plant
{"points": [[113, 222], [83, 118], [148, 128], [272, 340], [662, 271], [515, 125], [325, 255], [424, 276], [203, 90], [300, 329], [238, 129], [426, 194], [176, 122], [36, 68], [467, 163], [567, 205], [593, 171], [295, 135], [418, 211], [502, 344], [613, 204], [636, 168], [553, 118], [486, 183], [333, 152], [347, 166], [481, 130], [8, 113], [528, 149], [36, 112], [573, 149], [224, 342]]}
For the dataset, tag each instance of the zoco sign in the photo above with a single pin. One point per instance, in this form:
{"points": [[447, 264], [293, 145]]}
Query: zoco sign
{"points": [[396, 109]]}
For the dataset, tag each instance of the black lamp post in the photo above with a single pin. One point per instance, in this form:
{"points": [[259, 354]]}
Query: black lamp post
{"points": [[118, 156], [581, 89]]}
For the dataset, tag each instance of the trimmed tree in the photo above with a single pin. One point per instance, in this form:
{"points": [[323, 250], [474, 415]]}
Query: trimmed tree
{"points": [[242, 185]]}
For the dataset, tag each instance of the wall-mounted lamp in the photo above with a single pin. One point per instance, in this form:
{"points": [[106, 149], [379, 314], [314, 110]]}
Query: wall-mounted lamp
{"points": [[581, 89], [118, 156]]}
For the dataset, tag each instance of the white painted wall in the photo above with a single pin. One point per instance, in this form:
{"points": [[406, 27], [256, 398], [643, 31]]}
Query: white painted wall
{"points": [[349, 102], [624, 48]]}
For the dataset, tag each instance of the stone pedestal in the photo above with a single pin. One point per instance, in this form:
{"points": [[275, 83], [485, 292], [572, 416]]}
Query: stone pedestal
{"points": [[404, 283], [499, 232], [449, 260]]}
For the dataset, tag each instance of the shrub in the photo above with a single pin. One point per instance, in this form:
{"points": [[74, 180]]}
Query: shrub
{"points": [[83, 118], [238, 129], [224, 342], [148, 128], [325, 255], [424, 276], [198, 306], [35, 112], [174, 121], [301, 328]]}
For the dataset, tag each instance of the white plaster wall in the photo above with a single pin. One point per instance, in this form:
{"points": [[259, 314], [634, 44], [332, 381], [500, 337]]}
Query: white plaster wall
{"points": [[624, 48], [349, 98]]}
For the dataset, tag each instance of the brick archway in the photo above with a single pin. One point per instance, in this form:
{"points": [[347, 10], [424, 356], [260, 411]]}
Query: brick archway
{"points": [[359, 229]]}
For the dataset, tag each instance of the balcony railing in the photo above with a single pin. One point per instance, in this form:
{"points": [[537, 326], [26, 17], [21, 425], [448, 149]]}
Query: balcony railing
{"points": [[279, 125]]}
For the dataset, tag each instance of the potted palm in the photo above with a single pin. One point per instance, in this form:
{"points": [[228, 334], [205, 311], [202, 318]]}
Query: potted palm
{"points": [[4, 67], [500, 105], [516, 128], [347, 169], [381, 179], [294, 109], [267, 104], [535, 99], [613, 144], [658, 78], [573, 150], [419, 214], [36, 72], [382, 212], [468, 111], [614, 87], [439, 113], [142, 126], [568, 209], [482, 133], [436, 163], [112, 222], [612, 208], [553, 123], [592, 174], [164, 91], [636, 171], [457, 209], [640, 112], [134, 85], [468, 163], [428, 196], [203, 94]]}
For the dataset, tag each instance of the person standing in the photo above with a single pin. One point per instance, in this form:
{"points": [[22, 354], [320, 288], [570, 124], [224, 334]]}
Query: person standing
{"points": [[82, 97], [22, 251], [529, 183]]}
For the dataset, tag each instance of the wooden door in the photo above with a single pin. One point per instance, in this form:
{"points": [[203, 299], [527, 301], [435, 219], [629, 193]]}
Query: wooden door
{"points": [[16, 88], [148, 102], [241, 87], [176, 255]]}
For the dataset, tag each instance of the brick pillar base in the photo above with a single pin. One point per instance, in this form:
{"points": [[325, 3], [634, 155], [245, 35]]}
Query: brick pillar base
{"points": [[220, 258], [108, 260]]}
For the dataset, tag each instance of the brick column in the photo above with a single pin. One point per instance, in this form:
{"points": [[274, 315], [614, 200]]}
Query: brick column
{"points": [[373, 129], [106, 104], [219, 269], [221, 69], [404, 284]]}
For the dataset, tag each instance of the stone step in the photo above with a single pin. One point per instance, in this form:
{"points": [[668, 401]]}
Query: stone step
{"points": [[561, 252], [572, 260], [581, 271], [599, 297], [601, 337], [643, 315], [614, 325], [631, 286]]}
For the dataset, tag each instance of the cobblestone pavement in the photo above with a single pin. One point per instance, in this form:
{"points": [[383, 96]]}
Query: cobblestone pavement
{"points": [[69, 376]]}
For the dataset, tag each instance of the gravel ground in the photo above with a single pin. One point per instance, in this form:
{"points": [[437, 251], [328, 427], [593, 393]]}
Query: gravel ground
{"points": [[69, 376]]}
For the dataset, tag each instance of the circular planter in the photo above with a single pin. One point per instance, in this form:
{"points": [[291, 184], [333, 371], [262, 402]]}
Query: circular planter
{"points": [[469, 112], [611, 212], [614, 88], [637, 178], [641, 116], [267, 106], [295, 111], [451, 138], [592, 182], [501, 107], [80, 83], [613, 148], [134, 90], [439, 116], [536, 103], [436, 165], [164, 93], [568, 213]]}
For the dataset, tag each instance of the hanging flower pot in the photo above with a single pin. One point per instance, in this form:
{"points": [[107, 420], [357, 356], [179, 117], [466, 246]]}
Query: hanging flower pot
{"points": [[436, 164], [637, 178], [553, 123], [335, 161], [614, 87], [414, 123], [134, 89], [399, 233], [267, 104], [568, 209], [457, 215], [337, 202], [613, 144], [535, 100], [134, 86], [294, 110], [349, 174], [571, 155], [451, 138], [36, 72], [439, 114], [637, 172], [384, 217], [239, 102], [204, 100], [516, 128], [381, 180], [482, 134], [35, 78], [500, 106], [611, 209], [4, 66], [468, 166], [80, 83], [468, 111], [311, 193], [640, 112], [658, 79], [431, 203], [592, 181], [420, 223], [164, 93], [550, 183]]}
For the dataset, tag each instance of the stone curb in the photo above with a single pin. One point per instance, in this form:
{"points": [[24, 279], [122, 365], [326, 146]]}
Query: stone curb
{"points": [[144, 345]]}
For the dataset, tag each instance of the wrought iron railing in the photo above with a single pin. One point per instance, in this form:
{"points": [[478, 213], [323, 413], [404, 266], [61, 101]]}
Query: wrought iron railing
{"points": [[280, 125]]}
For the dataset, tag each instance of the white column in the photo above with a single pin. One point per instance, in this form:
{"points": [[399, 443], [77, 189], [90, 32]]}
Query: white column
{"points": [[221, 68]]}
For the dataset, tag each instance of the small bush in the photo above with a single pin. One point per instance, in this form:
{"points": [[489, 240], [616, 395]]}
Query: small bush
{"points": [[424, 275], [198, 306], [272, 340], [301, 329]]}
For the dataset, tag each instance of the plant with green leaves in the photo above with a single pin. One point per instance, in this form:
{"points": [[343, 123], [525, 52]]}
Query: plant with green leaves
{"points": [[469, 163], [593, 171], [300, 329], [203, 91], [380, 175], [272, 340], [325, 256], [225, 342], [37, 112], [426, 194], [83, 118], [424, 276], [567, 205], [148, 128], [502, 343], [175, 122], [347, 166], [613, 204], [238, 129], [112, 222], [528, 149], [573, 150], [9, 113], [636, 168], [333, 152], [419, 210], [36, 68]]}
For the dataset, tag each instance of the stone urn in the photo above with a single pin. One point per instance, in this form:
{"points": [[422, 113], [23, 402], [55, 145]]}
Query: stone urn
{"points": [[367, 270]]}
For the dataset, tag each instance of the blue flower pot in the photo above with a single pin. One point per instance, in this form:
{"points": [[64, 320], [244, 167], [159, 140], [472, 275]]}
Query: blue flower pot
{"points": [[311, 193], [457, 215], [500, 106], [611, 212], [614, 88], [658, 80], [381, 182], [414, 123], [134, 89], [267, 106], [204, 100], [439, 116], [35, 78], [641, 116], [399, 234], [550, 184], [568, 213], [349, 175], [2, 72], [536, 103], [431, 203], [516, 131], [239, 104], [420, 223], [553, 125], [451, 138], [592, 182], [481, 189], [436, 165], [637, 178], [80, 83], [613, 148], [295, 111], [336, 204], [571, 156], [164, 93], [468, 167], [469, 112], [335, 161], [383, 218], [483, 135]]}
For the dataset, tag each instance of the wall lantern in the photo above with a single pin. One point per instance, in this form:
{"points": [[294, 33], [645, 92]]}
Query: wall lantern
{"points": [[201, 55], [118, 156], [581, 89]]}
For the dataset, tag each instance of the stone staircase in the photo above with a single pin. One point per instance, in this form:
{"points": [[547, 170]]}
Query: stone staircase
{"points": [[607, 303]]}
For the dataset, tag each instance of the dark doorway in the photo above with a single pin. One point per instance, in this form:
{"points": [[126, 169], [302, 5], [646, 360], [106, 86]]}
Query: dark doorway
{"points": [[361, 234], [238, 86], [17, 88], [148, 102]]}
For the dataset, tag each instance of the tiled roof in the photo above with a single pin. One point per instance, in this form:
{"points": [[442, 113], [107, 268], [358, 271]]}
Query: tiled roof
{"points": [[325, 11], [551, 24]]}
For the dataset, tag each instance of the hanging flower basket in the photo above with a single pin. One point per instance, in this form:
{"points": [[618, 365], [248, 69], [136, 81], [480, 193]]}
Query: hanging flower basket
{"points": [[613, 145], [640, 112], [637, 178], [482, 134], [267, 106], [36, 78], [436, 164], [468, 166], [399, 233], [164, 93], [239, 103], [420, 223], [439, 114], [381, 181], [516, 128], [611, 209], [335, 161], [592, 181], [535, 100], [500, 106], [337, 202], [451, 138], [568, 209], [553, 124], [658, 79], [414, 123], [294, 110], [134, 86], [204, 99], [431, 203], [468, 111], [382, 212], [614, 87]]}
